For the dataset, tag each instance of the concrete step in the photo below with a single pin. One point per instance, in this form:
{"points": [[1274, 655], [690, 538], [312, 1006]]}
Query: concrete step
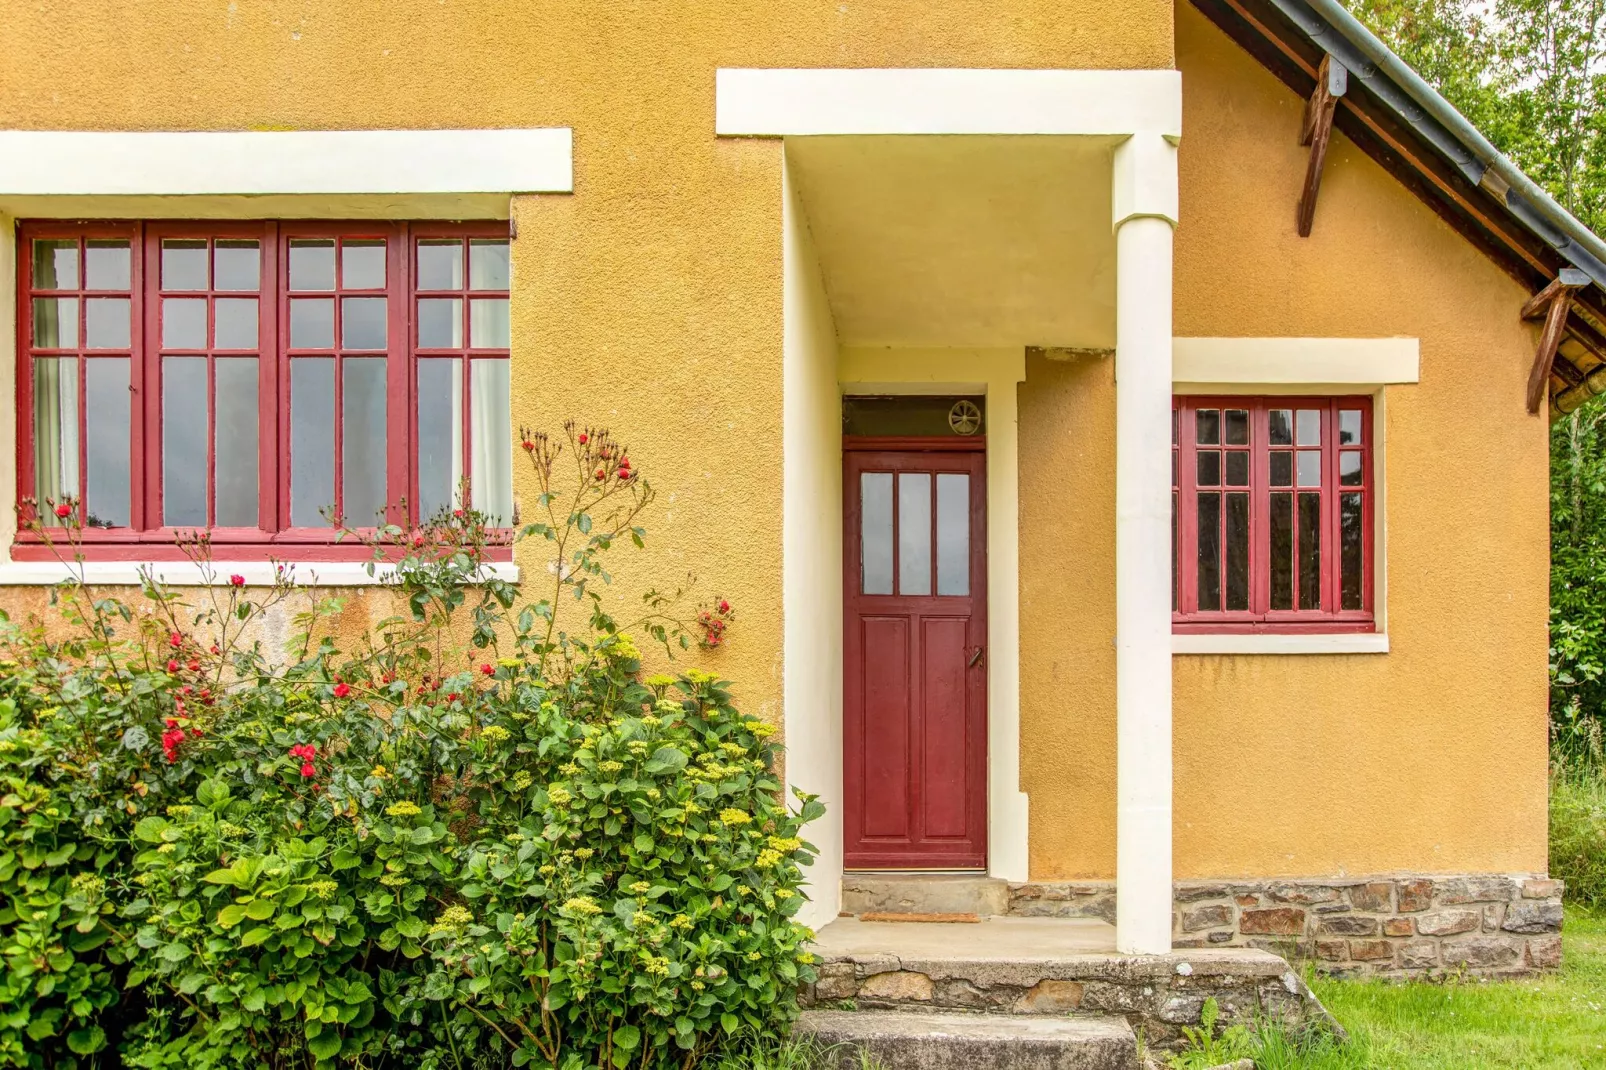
{"points": [[933, 894], [911, 1041]]}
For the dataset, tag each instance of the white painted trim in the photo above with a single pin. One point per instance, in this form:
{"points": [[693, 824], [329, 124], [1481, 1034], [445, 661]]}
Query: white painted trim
{"points": [[780, 103], [107, 163], [1196, 643], [188, 574], [1352, 362], [918, 371]]}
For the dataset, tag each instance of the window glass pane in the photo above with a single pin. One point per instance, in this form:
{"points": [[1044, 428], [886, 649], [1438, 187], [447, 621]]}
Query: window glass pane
{"points": [[914, 533], [440, 323], [362, 265], [312, 264], [488, 264], [55, 322], [312, 440], [440, 434], [184, 403], [953, 533], [1310, 468], [55, 264], [1207, 427], [312, 323], [875, 532], [183, 264], [1280, 427], [234, 323], [1209, 551], [1209, 468], [183, 323], [1309, 427], [108, 446], [236, 442], [1176, 555], [1349, 427], [236, 265], [440, 264], [487, 323], [362, 322], [107, 264], [363, 443], [1350, 535], [492, 462], [1282, 469], [1310, 551], [1349, 468], [1281, 522], [106, 322], [1237, 427], [1238, 468], [55, 433], [1237, 551]]}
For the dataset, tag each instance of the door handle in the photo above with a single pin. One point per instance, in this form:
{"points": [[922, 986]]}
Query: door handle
{"points": [[975, 657]]}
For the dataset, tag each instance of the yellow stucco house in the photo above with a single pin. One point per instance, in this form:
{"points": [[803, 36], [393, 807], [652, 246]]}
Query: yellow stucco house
{"points": [[1122, 427]]}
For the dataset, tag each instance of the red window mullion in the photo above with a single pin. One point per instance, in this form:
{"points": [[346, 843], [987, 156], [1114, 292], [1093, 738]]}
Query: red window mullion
{"points": [[1259, 509], [149, 461], [1188, 497], [268, 401], [401, 406]]}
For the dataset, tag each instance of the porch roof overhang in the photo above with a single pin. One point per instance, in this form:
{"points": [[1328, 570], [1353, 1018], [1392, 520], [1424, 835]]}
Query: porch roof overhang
{"points": [[1419, 137]]}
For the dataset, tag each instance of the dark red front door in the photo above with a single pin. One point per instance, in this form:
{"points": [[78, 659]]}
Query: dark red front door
{"points": [[915, 666]]}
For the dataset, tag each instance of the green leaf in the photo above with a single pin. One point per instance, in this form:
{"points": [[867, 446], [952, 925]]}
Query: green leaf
{"points": [[150, 829], [260, 909], [730, 1022], [326, 1046], [627, 1037], [222, 876], [256, 936], [666, 759], [231, 915], [344, 858], [86, 1041]]}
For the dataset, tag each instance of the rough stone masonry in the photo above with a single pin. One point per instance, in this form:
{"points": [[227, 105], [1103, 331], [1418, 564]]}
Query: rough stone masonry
{"points": [[1487, 925]]}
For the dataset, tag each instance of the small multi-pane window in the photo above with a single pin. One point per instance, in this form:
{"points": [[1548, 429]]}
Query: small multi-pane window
{"points": [[1272, 514], [270, 382]]}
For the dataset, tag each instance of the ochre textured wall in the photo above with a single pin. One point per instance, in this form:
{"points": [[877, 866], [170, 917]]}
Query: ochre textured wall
{"points": [[650, 299], [1428, 759]]}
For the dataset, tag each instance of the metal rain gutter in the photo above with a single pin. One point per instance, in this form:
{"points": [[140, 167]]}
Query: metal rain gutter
{"points": [[1391, 80]]}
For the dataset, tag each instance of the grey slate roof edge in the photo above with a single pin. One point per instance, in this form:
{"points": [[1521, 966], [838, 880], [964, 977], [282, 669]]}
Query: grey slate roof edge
{"points": [[1330, 27]]}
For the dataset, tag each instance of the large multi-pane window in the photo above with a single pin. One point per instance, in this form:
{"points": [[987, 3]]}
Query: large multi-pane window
{"points": [[1272, 504], [271, 382]]}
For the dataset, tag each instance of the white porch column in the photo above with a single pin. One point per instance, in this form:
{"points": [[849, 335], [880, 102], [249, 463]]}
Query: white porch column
{"points": [[1145, 210]]}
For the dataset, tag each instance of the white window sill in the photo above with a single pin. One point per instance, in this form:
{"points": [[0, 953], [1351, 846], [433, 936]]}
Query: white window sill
{"points": [[1354, 643], [188, 574]]}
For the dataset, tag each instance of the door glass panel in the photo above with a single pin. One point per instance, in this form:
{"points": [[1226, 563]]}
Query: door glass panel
{"points": [[184, 264], [953, 533], [1349, 427], [107, 444], [236, 265], [440, 434], [362, 453], [1310, 551], [107, 264], [1310, 468], [312, 323], [1237, 547], [914, 533], [1280, 427], [312, 264], [1350, 542], [492, 427], [235, 440], [1349, 468], [488, 326], [362, 265], [55, 322], [1209, 468], [312, 440], [55, 432], [1209, 551], [1309, 427], [362, 322], [440, 264], [184, 323], [1282, 469], [106, 322], [1207, 427], [875, 532], [234, 323], [1237, 427], [488, 264], [55, 264], [184, 450], [1238, 469], [440, 323]]}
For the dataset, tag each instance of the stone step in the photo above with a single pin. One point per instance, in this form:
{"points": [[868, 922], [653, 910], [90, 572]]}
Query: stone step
{"points": [[915, 1041], [934, 894]]}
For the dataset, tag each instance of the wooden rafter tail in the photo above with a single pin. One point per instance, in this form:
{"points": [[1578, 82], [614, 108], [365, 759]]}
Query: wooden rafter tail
{"points": [[1555, 300], [1316, 130]]}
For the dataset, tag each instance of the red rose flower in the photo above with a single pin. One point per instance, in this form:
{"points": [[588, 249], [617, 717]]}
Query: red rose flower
{"points": [[342, 689], [214, 648], [175, 640], [584, 438], [458, 513], [601, 475], [487, 670], [172, 665], [528, 445], [64, 510], [236, 580], [307, 770], [451, 697], [724, 606], [193, 665]]}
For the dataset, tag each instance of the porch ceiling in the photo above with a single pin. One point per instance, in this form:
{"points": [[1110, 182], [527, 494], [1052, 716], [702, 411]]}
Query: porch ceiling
{"points": [[961, 240]]}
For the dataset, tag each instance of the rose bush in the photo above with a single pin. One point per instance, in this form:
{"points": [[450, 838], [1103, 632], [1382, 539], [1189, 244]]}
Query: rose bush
{"points": [[479, 839]]}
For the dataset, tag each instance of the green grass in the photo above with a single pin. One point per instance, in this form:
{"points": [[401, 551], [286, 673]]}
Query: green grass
{"points": [[1555, 1023]]}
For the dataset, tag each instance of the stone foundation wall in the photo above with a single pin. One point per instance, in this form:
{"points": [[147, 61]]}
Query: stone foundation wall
{"points": [[1485, 925]]}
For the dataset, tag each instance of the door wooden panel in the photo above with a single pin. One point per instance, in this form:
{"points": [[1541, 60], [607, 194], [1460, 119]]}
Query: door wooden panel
{"points": [[914, 668]]}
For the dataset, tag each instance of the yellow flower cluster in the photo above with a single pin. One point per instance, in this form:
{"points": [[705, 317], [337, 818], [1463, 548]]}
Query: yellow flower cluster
{"points": [[558, 795], [323, 889], [582, 906], [625, 647], [495, 734], [390, 880], [609, 766], [583, 853], [785, 845], [641, 887], [638, 747], [768, 859], [403, 809], [732, 816], [179, 811], [784, 893], [681, 921], [650, 721], [379, 772], [521, 780], [761, 729], [735, 750], [657, 965], [165, 849], [658, 679], [451, 920]]}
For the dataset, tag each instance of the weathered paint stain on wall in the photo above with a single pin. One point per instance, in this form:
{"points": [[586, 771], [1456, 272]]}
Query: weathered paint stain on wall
{"points": [[1430, 758], [650, 300]]}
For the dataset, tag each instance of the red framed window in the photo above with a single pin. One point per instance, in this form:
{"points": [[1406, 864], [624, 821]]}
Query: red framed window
{"points": [[1272, 514], [270, 382]]}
